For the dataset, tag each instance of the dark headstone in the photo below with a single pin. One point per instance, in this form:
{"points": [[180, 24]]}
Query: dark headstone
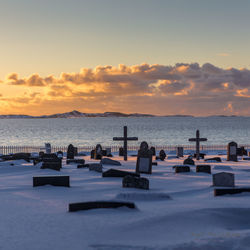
{"points": [[51, 180], [223, 179], [59, 154], [162, 155], [41, 153], [135, 182], [95, 167], [224, 191], [153, 150], [92, 154], [109, 154], [216, 159], [203, 169], [144, 159], [110, 162], [181, 169], [70, 152], [98, 152], [121, 152], [118, 173], [48, 148], [241, 151], [232, 151], [188, 161], [51, 161], [180, 152], [104, 152], [73, 207]]}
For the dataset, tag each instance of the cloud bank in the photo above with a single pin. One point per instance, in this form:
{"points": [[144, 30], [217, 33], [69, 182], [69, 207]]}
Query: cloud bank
{"points": [[158, 89]]}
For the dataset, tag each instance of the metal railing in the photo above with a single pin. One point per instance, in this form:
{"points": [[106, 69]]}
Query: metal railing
{"points": [[29, 149]]}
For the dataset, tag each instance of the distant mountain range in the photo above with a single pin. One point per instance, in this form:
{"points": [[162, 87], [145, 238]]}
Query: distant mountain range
{"points": [[77, 114]]}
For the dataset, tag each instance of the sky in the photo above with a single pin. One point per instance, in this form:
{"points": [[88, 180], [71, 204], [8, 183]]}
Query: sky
{"points": [[162, 57]]}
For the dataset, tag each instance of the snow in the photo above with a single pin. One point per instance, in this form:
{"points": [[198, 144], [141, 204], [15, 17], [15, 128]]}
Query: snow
{"points": [[178, 212]]}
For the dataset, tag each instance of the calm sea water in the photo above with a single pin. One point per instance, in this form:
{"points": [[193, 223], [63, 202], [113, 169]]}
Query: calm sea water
{"points": [[90, 131]]}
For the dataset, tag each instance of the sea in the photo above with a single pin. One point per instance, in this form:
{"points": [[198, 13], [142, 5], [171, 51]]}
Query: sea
{"points": [[156, 131]]}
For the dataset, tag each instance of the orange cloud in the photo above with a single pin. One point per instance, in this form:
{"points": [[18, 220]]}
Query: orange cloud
{"points": [[182, 88]]}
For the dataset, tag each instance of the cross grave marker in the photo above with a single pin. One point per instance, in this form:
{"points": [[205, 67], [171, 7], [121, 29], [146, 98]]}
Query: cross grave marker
{"points": [[198, 140], [125, 140]]}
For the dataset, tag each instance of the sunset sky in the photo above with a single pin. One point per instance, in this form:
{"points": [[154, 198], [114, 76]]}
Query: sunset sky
{"points": [[161, 57]]}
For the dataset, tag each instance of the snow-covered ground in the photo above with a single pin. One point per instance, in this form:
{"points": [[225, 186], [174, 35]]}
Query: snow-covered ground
{"points": [[178, 212]]}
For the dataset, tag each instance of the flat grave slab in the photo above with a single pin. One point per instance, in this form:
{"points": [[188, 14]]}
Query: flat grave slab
{"points": [[58, 180], [118, 173], [224, 191], [76, 161], [73, 207]]}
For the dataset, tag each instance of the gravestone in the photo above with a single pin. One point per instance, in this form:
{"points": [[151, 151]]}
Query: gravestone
{"points": [[95, 167], [92, 154], [59, 154], [241, 151], [181, 169], [73, 207], [118, 173], [224, 191], [121, 152], [203, 169], [179, 152], [70, 152], [58, 180], [162, 155], [213, 159], [110, 162], [104, 152], [232, 151], [197, 139], [223, 179], [188, 161], [135, 182], [47, 148], [125, 140], [109, 154], [153, 150], [51, 161], [144, 159], [98, 152]]}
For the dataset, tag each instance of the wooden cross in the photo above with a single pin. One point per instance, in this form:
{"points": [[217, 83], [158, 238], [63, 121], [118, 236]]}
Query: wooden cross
{"points": [[198, 140], [125, 140]]}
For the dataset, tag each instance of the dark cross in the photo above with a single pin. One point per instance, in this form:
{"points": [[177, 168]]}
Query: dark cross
{"points": [[125, 140], [198, 140]]}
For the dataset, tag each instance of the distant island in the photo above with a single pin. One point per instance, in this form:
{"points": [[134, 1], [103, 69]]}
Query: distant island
{"points": [[78, 114]]}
